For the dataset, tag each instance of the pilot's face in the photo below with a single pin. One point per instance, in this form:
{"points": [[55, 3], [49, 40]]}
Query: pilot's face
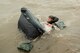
{"points": [[49, 19]]}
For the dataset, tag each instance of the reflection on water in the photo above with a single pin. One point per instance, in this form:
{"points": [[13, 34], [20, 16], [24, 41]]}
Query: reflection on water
{"points": [[60, 41]]}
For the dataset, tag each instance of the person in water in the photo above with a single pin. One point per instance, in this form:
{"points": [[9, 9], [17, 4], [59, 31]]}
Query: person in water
{"points": [[52, 19], [48, 26]]}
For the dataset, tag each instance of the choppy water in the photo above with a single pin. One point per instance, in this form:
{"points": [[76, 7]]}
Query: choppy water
{"points": [[64, 41]]}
